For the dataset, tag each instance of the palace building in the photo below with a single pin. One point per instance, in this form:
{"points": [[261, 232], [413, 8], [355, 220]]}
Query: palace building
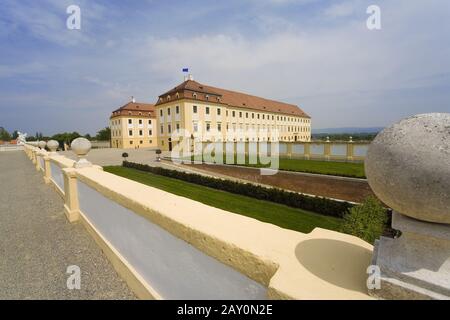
{"points": [[133, 126], [208, 114], [214, 114]]}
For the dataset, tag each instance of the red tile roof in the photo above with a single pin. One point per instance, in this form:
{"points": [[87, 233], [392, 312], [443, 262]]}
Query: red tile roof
{"points": [[135, 109], [193, 90]]}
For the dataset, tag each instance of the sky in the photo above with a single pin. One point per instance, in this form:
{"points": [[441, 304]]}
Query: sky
{"points": [[316, 54]]}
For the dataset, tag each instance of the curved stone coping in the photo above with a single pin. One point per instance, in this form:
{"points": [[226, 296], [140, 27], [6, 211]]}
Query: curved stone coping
{"points": [[320, 265], [61, 161]]}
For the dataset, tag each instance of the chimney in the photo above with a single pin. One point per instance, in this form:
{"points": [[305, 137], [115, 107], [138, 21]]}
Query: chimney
{"points": [[191, 77], [133, 99]]}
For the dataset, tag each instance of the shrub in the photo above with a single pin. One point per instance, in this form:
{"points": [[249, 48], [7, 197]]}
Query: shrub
{"points": [[315, 204], [366, 221]]}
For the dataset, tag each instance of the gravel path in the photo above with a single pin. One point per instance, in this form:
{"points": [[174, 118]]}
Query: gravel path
{"points": [[37, 243]]}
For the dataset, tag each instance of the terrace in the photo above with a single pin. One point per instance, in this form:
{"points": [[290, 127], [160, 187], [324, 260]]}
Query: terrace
{"points": [[167, 246]]}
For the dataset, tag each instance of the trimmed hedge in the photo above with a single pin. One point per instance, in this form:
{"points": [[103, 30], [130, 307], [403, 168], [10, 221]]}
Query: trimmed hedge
{"points": [[315, 204]]}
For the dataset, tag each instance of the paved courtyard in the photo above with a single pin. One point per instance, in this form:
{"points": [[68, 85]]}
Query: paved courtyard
{"points": [[37, 243], [113, 156]]}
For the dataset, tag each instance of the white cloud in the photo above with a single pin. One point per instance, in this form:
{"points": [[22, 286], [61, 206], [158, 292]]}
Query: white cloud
{"points": [[339, 10]]}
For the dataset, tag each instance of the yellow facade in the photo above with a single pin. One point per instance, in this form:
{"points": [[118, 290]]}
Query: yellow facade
{"points": [[130, 132], [209, 121]]}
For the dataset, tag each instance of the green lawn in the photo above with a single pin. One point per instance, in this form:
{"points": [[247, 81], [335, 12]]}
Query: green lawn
{"points": [[280, 215], [335, 168]]}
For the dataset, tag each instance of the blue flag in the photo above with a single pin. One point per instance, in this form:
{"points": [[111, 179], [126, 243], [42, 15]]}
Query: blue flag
{"points": [[185, 69]]}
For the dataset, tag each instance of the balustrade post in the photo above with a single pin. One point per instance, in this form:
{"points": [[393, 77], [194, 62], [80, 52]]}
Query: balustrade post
{"points": [[71, 206]]}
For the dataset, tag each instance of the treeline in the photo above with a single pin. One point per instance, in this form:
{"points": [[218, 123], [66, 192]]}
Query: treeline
{"points": [[6, 136], [65, 137]]}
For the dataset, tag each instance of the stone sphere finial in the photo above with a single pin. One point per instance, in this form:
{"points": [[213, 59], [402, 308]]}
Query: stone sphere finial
{"points": [[81, 147], [328, 139], [53, 145], [408, 167], [42, 144]]}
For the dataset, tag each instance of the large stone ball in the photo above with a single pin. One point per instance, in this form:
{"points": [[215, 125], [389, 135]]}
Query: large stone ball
{"points": [[53, 145], [408, 167], [81, 146]]}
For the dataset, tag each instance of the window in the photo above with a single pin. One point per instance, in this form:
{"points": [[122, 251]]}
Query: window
{"points": [[257, 115], [246, 114], [168, 111], [131, 142], [177, 109], [130, 121], [140, 132], [195, 125], [253, 115], [140, 142], [240, 114], [140, 121], [149, 121], [208, 126], [178, 127], [233, 114], [218, 111], [150, 141], [263, 116], [207, 110], [130, 132], [219, 127], [162, 129], [161, 112], [194, 109], [169, 128], [150, 132]]}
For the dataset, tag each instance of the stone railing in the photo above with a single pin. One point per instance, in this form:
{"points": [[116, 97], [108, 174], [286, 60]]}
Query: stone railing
{"points": [[338, 151], [170, 247]]}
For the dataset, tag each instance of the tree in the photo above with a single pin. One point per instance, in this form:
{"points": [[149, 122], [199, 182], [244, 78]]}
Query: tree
{"points": [[88, 136], [4, 135], [66, 137], [15, 135], [366, 221], [104, 134]]}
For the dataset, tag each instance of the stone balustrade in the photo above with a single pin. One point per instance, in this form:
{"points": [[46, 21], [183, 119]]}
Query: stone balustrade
{"points": [[170, 247], [337, 151]]}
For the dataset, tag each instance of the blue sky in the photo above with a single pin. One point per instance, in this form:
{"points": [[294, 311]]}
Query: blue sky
{"points": [[314, 53]]}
